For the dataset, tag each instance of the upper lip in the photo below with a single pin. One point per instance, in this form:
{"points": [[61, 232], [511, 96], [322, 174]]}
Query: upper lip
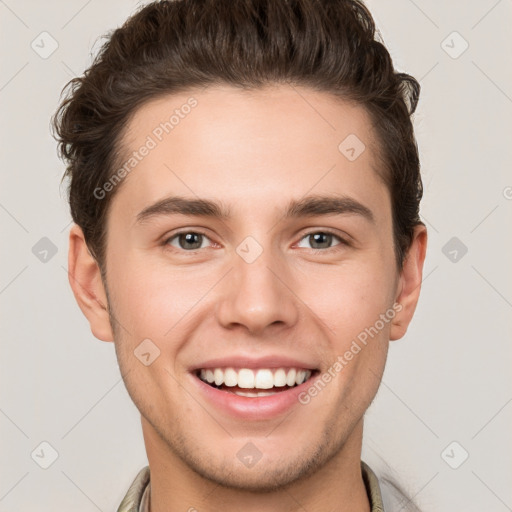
{"points": [[270, 361]]}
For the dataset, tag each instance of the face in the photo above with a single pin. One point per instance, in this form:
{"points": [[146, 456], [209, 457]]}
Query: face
{"points": [[268, 284]]}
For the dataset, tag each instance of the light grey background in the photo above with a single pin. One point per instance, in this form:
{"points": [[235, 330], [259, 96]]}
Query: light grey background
{"points": [[448, 380]]}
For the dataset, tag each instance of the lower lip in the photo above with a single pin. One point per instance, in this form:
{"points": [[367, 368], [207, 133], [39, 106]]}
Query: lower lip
{"points": [[252, 408]]}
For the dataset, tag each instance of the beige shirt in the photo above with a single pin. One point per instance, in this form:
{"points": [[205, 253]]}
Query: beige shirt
{"points": [[137, 497]]}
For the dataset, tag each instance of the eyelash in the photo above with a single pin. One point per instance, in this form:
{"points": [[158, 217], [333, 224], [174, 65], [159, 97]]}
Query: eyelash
{"points": [[343, 242]]}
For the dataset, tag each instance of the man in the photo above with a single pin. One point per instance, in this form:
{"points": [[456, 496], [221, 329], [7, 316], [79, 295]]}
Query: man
{"points": [[245, 188]]}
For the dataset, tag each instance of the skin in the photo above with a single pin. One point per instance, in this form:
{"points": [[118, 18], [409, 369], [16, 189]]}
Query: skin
{"points": [[254, 152]]}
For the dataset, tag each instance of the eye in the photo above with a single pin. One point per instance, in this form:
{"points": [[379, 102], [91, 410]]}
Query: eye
{"points": [[321, 240], [193, 240], [187, 240]]}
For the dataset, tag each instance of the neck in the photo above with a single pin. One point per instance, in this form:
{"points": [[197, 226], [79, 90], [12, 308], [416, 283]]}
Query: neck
{"points": [[337, 485]]}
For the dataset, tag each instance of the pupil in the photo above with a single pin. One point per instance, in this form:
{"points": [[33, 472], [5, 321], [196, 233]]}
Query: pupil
{"points": [[192, 239], [320, 238]]}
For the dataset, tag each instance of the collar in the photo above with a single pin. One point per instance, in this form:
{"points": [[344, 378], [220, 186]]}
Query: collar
{"points": [[137, 497]]}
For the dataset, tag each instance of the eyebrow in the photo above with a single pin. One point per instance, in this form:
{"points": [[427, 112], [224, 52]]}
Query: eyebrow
{"points": [[309, 206]]}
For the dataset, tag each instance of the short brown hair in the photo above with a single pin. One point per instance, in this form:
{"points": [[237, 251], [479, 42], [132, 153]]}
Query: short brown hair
{"points": [[171, 46]]}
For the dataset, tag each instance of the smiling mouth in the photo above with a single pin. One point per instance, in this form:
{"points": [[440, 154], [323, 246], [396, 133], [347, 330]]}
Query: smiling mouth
{"points": [[254, 383]]}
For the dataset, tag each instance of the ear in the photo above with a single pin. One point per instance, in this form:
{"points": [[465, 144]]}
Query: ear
{"points": [[409, 283], [85, 280]]}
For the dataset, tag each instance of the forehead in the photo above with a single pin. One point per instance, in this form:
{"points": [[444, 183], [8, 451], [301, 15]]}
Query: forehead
{"points": [[252, 148]]}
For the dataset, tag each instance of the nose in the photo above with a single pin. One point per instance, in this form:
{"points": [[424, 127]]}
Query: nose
{"points": [[257, 297]]}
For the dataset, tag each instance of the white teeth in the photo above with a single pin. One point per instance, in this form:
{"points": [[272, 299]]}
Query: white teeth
{"points": [[246, 378], [207, 375], [264, 379], [290, 378], [219, 376], [230, 377], [252, 395], [246, 393], [280, 378]]}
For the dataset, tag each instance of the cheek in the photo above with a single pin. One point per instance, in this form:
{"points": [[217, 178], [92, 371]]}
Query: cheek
{"points": [[359, 313], [349, 299], [151, 300]]}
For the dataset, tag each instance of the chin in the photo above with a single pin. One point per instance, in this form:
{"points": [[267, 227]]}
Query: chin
{"points": [[265, 479], [275, 470]]}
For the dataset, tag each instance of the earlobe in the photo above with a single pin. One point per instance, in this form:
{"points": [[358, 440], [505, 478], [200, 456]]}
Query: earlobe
{"points": [[85, 279], [409, 285]]}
